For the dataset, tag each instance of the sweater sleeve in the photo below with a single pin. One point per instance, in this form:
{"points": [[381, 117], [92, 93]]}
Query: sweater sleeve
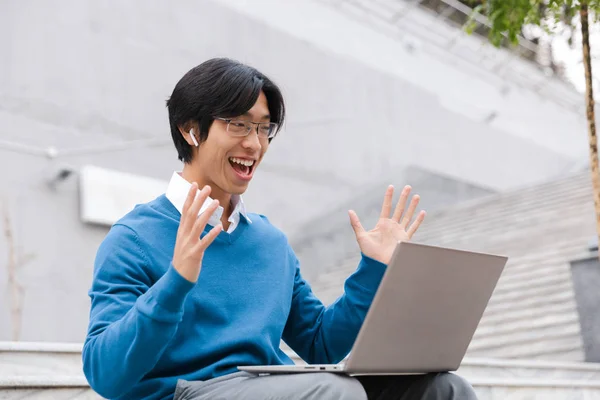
{"points": [[131, 319], [324, 335]]}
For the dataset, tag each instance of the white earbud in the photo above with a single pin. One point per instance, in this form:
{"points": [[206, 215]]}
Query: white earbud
{"points": [[193, 137]]}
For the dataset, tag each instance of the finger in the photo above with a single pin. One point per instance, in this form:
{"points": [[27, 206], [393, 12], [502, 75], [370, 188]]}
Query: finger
{"points": [[189, 201], [355, 222], [415, 225], [209, 238], [401, 203], [192, 213], [387, 202], [411, 211], [199, 201], [202, 220]]}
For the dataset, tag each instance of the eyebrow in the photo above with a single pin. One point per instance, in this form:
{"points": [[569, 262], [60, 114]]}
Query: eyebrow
{"points": [[266, 116]]}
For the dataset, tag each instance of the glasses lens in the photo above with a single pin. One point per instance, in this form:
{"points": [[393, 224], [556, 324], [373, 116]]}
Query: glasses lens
{"points": [[264, 130], [238, 127], [242, 128], [270, 130]]}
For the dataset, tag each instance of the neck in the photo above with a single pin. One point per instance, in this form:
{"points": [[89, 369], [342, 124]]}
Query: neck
{"points": [[191, 175]]}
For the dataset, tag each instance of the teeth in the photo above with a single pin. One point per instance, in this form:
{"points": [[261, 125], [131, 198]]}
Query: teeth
{"points": [[247, 163]]}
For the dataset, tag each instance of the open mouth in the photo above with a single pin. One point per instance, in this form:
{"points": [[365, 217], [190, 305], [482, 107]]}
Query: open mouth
{"points": [[242, 167]]}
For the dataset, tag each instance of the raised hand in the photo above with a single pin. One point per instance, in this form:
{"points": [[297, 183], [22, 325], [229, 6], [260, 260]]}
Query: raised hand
{"points": [[379, 243], [189, 247]]}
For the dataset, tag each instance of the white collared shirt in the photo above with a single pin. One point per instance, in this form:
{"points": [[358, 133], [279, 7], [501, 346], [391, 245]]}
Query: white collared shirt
{"points": [[178, 190]]}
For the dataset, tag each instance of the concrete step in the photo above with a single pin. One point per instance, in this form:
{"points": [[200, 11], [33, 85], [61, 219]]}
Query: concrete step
{"points": [[528, 303], [40, 359], [495, 369], [509, 379], [538, 322], [56, 387], [534, 279], [497, 379], [520, 314], [40, 371], [524, 337], [532, 350]]}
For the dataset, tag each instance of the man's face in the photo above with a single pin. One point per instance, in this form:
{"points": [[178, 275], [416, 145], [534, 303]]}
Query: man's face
{"points": [[221, 157]]}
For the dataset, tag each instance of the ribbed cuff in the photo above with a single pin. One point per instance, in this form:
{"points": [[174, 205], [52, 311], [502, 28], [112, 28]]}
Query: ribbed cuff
{"points": [[172, 289], [369, 272], [164, 300]]}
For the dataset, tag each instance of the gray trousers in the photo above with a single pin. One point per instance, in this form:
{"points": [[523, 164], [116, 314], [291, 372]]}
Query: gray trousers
{"points": [[325, 386]]}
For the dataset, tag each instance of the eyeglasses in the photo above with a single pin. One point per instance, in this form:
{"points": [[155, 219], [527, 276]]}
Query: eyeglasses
{"points": [[236, 127]]}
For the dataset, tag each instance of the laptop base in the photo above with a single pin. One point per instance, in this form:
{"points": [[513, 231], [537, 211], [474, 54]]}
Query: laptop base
{"points": [[315, 368]]}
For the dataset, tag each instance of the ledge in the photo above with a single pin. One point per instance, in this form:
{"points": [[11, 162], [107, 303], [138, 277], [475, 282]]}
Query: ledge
{"points": [[71, 381], [535, 383], [60, 381], [41, 347], [533, 364]]}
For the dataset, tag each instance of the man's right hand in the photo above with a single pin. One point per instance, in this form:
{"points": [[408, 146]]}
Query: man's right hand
{"points": [[189, 247]]}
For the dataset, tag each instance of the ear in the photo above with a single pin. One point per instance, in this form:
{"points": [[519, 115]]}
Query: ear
{"points": [[190, 134]]}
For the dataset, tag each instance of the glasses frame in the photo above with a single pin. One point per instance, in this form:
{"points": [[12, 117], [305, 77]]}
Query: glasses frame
{"points": [[249, 127]]}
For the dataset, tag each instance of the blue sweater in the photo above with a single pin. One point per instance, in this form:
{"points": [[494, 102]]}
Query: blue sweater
{"points": [[150, 327]]}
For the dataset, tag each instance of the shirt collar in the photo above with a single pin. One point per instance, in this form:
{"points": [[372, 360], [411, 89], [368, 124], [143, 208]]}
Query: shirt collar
{"points": [[179, 188]]}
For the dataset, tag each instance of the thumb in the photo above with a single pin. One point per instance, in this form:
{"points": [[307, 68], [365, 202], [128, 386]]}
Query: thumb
{"points": [[355, 222]]}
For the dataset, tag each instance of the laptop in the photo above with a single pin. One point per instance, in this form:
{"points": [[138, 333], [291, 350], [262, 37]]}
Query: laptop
{"points": [[423, 316]]}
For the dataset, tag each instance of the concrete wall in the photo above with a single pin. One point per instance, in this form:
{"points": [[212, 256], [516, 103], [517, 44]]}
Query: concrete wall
{"points": [[81, 75], [463, 74]]}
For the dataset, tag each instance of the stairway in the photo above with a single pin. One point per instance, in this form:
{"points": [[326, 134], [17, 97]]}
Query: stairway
{"points": [[44, 371], [497, 379]]}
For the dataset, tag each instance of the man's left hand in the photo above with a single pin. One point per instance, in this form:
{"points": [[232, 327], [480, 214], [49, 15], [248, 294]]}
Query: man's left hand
{"points": [[380, 242]]}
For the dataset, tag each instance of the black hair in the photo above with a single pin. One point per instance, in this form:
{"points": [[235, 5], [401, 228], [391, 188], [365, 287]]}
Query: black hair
{"points": [[219, 87]]}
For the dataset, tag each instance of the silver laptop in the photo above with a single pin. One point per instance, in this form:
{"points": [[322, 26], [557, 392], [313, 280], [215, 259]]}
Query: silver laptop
{"points": [[423, 317]]}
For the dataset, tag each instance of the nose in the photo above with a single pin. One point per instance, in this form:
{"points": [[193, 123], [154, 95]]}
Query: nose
{"points": [[251, 141]]}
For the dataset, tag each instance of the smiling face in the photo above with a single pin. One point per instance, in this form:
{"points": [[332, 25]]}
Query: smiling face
{"points": [[226, 162]]}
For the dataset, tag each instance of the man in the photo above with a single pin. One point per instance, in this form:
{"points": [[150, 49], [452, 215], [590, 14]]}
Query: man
{"points": [[188, 287]]}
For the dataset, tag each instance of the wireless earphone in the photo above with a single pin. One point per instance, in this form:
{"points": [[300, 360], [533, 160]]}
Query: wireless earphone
{"points": [[193, 137]]}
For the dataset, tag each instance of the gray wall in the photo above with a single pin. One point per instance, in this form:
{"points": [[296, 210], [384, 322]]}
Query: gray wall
{"points": [[80, 75], [463, 74]]}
